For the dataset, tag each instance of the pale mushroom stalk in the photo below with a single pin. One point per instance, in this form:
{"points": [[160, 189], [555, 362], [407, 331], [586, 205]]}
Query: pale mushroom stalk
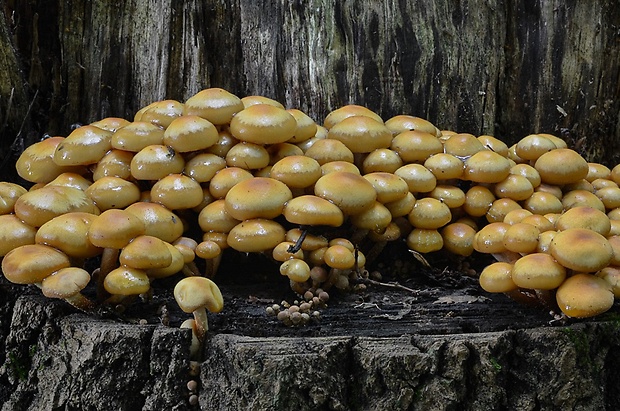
{"points": [[109, 262], [201, 323]]}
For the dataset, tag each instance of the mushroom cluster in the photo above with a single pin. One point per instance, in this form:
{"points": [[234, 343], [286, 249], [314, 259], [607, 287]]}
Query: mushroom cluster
{"points": [[171, 190]]}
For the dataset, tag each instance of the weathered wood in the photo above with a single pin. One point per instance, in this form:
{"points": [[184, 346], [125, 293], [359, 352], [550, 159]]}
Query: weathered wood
{"points": [[498, 67]]}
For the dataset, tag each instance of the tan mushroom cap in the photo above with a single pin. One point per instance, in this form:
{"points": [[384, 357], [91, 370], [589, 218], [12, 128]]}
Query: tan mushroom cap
{"points": [[204, 166], [382, 160], [137, 135], [514, 186], [403, 122], [424, 240], [561, 166], [14, 233], [155, 162], [31, 263], [113, 192], [490, 238], [462, 145], [177, 192], [9, 193], [263, 124], [116, 163], [350, 110], [296, 270], [402, 207], [494, 144], [257, 197], [542, 203], [115, 228], [611, 275], [533, 146], [581, 249], [310, 242], [346, 166], [418, 178], [256, 235], [521, 238], [478, 201], [190, 133], [69, 233], [584, 217], [500, 209], [528, 172], [458, 238], [361, 134], [83, 146], [328, 150], [296, 171], [194, 293], [145, 252], [227, 178], [36, 163], [208, 250], [376, 218], [416, 145], [339, 256], [497, 278], [538, 271], [445, 166], [389, 187], [39, 206], [71, 180], [313, 210], [255, 100], [65, 283], [450, 195], [213, 104], [584, 295], [352, 193], [486, 166], [127, 281], [158, 220], [429, 213], [577, 198], [215, 217], [248, 156], [162, 113], [306, 127]]}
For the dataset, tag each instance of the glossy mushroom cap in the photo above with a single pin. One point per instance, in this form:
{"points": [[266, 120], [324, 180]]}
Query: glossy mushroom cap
{"points": [[29, 264], [193, 293]]}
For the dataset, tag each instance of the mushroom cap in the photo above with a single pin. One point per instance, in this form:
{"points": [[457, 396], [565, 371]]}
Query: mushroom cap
{"points": [[538, 271], [224, 142], [176, 192], [541, 202], [486, 166], [193, 293], [255, 235], [36, 163], [71, 180], [424, 240], [416, 145], [462, 145], [429, 213], [450, 195], [458, 238], [328, 149], [350, 110], [146, 252], [137, 135], [313, 210], [85, 145], [584, 295], [116, 163], [110, 123], [208, 250], [306, 127], [158, 220], [332, 166], [202, 167], [376, 218], [257, 197], [578, 198], [581, 249], [115, 228], [9, 193], [584, 217], [478, 201], [528, 172], [127, 281], [295, 269], [611, 274], [561, 166], [419, 179], [162, 113], [156, 161], [213, 104], [263, 124], [175, 266], [310, 242], [255, 100], [227, 178], [494, 144], [490, 238], [514, 186], [190, 133], [497, 278], [533, 146], [361, 134], [113, 192], [31, 263], [352, 193], [215, 217], [403, 122], [65, 282], [500, 208], [296, 171], [37, 207], [389, 187], [14, 233], [339, 256], [248, 156], [521, 238], [444, 166], [382, 160], [69, 233]]}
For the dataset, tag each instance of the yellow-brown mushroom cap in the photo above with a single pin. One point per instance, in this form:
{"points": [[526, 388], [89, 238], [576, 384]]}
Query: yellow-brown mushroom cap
{"points": [[581, 249], [257, 197], [136, 135], [584, 295], [361, 134], [69, 233], [127, 281], [263, 124], [561, 166], [190, 133], [497, 278], [85, 145], [36, 163], [255, 235], [538, 271], [296, 171], [194, 293], [313, 210], [144, 252], [213, 104], [14, 233], [115, 228], [31, 263], [65, 282], [352, 193], [9, 193], [350, 110]]}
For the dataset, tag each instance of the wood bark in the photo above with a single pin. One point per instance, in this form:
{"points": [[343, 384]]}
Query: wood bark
{"points": [[485, 67]]}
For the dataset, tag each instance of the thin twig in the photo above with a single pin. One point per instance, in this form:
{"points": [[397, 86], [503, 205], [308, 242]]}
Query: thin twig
{"points": [[394, 286]]}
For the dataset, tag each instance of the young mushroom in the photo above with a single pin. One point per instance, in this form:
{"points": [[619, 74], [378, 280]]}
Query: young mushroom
{"points": [[197, 295]]}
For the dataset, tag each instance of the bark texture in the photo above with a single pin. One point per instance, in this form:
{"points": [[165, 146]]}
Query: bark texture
{"points": [[484, 67]]}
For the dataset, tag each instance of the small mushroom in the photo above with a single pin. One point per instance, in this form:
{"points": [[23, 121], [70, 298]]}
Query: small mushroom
{"points": [[584, 295], [197, 295], [67, 284]]}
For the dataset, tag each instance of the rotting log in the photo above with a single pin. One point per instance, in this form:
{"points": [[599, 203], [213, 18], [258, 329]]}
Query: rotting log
{"points": [[482, 67]]}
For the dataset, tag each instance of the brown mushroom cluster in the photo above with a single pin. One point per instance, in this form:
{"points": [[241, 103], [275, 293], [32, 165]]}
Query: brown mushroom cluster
{"points": [[321, 200]]}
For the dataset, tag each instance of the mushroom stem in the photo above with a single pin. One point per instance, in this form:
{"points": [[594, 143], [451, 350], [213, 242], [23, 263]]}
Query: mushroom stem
{"points": [[201, 323], [109, 261], [524, 297], [211, 266], [81, 302], [195, 347]]}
